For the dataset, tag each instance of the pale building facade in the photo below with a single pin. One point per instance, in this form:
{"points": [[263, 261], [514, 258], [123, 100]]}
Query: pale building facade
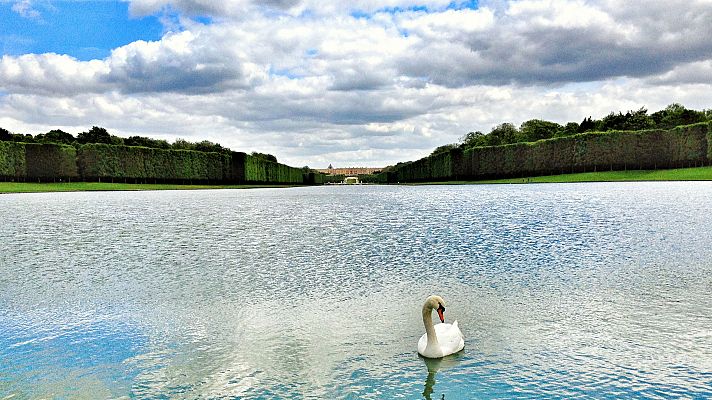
{"points": [[349, 171]]}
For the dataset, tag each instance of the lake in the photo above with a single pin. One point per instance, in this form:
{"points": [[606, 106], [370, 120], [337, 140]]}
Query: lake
{"points": [[562, 291]]}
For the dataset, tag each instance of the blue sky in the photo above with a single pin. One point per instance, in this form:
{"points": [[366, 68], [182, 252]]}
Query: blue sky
{"points": [[347, 83], [83, 29]]}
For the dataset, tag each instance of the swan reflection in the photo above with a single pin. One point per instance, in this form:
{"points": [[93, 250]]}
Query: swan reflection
{"points": [[434, 365]]}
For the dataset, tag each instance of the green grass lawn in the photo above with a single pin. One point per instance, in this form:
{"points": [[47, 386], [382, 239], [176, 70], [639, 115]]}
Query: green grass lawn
{"points": [[681, 174], [16, 187]]}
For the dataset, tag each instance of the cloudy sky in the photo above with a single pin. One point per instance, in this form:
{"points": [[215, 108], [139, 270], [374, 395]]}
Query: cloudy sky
{"points": [[351, 83]]}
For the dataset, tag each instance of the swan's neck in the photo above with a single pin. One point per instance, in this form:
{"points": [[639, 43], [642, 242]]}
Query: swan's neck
{"points": [[429, 328]]}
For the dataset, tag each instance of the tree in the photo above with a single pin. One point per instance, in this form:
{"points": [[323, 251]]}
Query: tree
{"points": [[536, 129], [117, 141], [569, 129], [502, 134], [630, 121], [26, 138], [5, 135], [208, 146], [443, 149], [675, 115], [56, 136], [182, 144], [474, 139], [141, 141], [587, 125], [94, 135]]}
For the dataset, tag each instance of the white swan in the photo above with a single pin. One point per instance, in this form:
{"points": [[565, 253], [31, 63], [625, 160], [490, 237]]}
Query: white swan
{"points": [[442, 339]]}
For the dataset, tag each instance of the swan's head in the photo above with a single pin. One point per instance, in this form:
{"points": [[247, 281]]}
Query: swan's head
{"points": [[436, 303]]}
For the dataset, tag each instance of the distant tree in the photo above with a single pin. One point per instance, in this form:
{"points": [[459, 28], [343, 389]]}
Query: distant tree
{"points": [[26, 138], [638, 120], [56, 136], [473, 139], [536, 129], [141, 141], [94, 135], [208, 146], [117, 141], [443, 149], [675, 115], [587, 125], [264, 156], [630, 121], [502, 134], [5, 135], [612, 122], [569, 129], [182, 144]]}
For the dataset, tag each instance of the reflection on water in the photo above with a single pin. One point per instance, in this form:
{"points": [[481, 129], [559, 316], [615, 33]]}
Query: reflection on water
{"points": [[561, 291], [435, 365]]}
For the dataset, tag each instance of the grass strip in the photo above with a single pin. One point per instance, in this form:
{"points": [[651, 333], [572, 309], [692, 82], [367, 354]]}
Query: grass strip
{"points": [[680, 174], [22, 187]]}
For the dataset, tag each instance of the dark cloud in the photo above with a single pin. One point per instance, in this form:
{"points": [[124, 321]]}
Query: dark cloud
{"points": [[536, 48], [282, 4]]}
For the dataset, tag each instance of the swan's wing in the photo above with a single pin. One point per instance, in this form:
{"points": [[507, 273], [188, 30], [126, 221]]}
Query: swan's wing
{"points": [[450, 338], [422, 343]]}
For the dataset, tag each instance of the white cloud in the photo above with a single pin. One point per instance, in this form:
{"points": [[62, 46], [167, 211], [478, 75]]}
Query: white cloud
{"points": [[26, 10], [696, 72], [315, 85]]}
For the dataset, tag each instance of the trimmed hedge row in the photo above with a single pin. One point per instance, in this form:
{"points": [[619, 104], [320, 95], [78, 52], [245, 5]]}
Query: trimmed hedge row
{"points": [[92, 162], [12, 160], [50, 161], [34, 161], [103, 161], [709, 141], [314, 178], [265, 171], [683, 146]]}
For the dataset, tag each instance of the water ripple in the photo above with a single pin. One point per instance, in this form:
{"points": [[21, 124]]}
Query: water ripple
{"points": [[562, 291]]}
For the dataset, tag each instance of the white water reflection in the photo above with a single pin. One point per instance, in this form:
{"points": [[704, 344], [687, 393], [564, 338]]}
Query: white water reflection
{"points": [[562, 291]]}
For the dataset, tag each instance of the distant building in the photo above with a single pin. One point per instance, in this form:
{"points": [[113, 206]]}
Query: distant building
{"points": [[349, 171]]}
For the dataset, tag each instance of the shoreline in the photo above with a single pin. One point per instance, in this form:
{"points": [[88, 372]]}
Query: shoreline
{"points": [[33, 187], [696, 174]]}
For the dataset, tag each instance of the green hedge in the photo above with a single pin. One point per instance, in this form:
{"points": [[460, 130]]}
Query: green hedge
{"points": [[709, 142], [264, 171], [12, 160], [684, 146], [50, 161], [103, 161], [40, 161], [20, 161], [313, 178]]}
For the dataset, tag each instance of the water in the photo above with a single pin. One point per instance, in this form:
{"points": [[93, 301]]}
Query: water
{"points": [[562, 291]]}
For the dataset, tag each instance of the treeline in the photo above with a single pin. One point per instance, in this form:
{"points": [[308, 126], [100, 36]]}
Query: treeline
{"points": [[101, 135], [96, 155], [537, 129], [131, 164], [682, 146]]}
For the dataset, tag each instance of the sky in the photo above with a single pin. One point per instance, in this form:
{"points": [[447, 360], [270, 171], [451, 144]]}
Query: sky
{"points": [[347, 83]]}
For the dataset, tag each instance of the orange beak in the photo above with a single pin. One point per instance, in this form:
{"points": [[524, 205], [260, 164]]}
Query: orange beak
{"points": [[441, 310]]}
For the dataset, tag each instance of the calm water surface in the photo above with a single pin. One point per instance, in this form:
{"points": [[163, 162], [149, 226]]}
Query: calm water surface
{"points": [[562, 291]]}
